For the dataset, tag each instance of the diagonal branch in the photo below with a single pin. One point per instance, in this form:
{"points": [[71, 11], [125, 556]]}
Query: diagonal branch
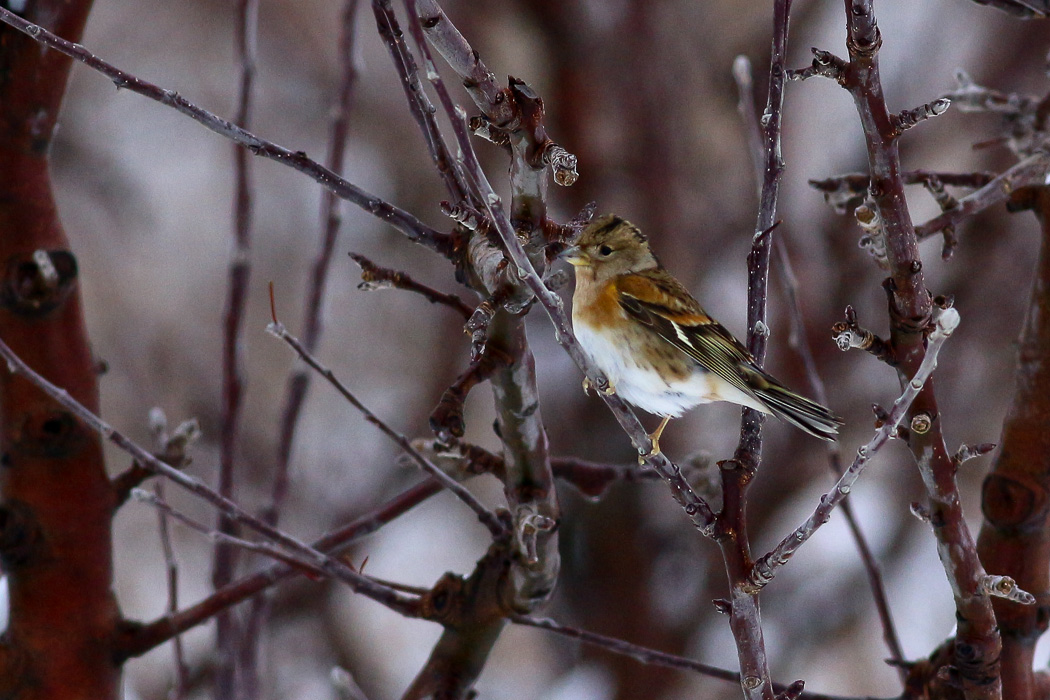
{"points": [[767, 566], [413, 228], [139, 639], [405, 605], [487, 518]]}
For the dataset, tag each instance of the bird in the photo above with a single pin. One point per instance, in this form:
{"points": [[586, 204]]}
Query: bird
{"points": [[658, 348]]}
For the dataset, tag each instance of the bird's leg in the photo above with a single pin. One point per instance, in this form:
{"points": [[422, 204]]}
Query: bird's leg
{"points": [[654, 437], [587, 386]]}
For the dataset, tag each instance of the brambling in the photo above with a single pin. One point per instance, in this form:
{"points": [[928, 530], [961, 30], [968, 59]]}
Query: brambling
{"points": [[657, 347]]}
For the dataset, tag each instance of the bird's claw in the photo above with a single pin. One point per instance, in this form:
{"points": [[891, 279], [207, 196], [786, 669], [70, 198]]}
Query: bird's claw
{"points": [[654, 438]]}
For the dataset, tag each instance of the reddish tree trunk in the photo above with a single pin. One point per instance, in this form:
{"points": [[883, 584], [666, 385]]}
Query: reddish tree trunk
{"points": [[1015, 539], [57, 502]]}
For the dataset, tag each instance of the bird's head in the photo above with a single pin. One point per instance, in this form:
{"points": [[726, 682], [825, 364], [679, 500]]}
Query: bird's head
{"points": [[611, 246]]}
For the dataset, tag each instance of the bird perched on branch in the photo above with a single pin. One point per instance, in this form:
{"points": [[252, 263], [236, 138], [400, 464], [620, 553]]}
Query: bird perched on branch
{"points": [[655, 344]]}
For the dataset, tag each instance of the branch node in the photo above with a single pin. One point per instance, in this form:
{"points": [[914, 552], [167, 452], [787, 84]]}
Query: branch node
{"points": [[968, 452], [921, 422], [561, 162], [793, 691], [920, 511], [483, 127], [849, 334], [825, 64], [874, 238], [1004, 587], [465, 215], [908, 118], [722, 606], [529, 529]]}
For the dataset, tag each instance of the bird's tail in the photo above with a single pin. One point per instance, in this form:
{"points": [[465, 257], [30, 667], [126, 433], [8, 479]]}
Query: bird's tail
{"points": [[801, 412]]}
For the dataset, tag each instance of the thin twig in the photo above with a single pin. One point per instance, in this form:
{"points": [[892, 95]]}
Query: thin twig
{"points": [[489, 519], [337, 569], [375, 277], [400, 219], [737, 473], [418, 102], [264, 548], [1031, 171]]}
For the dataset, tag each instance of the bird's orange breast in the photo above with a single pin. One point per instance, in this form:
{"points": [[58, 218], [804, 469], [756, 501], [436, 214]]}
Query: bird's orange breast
{"points": [[596, 304]]}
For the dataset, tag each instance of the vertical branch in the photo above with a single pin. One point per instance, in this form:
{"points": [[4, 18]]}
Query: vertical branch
{"points": [[977, 643], [1015, 538], [56, 501], [744, 614], [225, 559], [529, 486]]}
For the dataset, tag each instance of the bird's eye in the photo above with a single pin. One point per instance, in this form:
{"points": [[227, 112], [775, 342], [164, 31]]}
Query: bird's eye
{"points": [[605, 250]]}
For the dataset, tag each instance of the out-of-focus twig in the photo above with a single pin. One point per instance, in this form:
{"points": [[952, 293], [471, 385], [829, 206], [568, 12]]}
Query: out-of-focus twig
{"points": [[225, 557], [651, 656]]}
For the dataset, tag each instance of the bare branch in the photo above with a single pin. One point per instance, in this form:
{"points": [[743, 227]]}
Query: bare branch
{"points": [[419, 104], [225, 556], [332, 567], [487, 518], [1033, 170], [142, 638], [766, 567], [375, 277], [413, 228]]}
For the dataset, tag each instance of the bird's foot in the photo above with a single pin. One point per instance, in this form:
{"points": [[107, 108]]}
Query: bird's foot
{"points": [[609, 389]]}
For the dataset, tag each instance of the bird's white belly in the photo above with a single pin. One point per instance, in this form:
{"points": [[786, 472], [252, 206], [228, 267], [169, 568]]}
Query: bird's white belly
{"points": [[643, 386]]}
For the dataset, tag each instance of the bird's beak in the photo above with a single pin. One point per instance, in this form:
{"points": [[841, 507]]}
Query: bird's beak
{"points": [[575, 257]]}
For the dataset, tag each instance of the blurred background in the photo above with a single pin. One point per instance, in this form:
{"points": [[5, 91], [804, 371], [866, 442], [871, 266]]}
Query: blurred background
{"points": [[642, 93]]}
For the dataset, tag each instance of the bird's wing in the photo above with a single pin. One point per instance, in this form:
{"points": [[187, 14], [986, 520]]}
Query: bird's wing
{"points": [[658, 300]]}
